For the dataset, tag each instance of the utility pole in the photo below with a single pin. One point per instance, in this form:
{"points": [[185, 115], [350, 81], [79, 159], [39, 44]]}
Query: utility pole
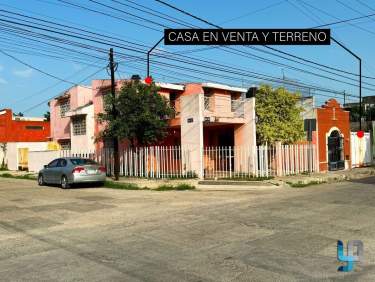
{"points": [[112, 66], [344, 99]]}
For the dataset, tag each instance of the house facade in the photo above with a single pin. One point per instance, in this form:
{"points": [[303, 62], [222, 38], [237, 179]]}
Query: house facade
{"points": [[19, 135], [206, 114], [22, 129], [72, 119], [328, 127]]}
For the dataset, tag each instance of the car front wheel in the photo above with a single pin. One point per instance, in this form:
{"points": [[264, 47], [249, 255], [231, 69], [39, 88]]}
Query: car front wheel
{"points": [[64, 182], [40, 180]]}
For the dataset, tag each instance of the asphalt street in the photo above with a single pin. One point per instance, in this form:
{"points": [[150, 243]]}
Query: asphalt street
{"points": [[100, 234]]}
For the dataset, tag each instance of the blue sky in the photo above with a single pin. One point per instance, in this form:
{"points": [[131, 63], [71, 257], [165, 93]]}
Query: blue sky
{"points": [[22, 88]]}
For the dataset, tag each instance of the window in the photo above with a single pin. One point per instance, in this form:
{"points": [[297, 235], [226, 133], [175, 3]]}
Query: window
{"points": [[64, 107], [53, 163], [34, 127], [83, 162], [62, 163], [79, 125], [65, 144]]}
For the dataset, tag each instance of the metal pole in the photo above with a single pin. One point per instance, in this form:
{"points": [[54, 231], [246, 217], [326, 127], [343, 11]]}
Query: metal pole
{"points": [[114, 114], [360, 94], [360, 78], [148, 55]]}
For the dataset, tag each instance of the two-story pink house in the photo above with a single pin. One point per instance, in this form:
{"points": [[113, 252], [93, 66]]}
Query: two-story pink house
{"points": [[72, 119], [207, 114]]}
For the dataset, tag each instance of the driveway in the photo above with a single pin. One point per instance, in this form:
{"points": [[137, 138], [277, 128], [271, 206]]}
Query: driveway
{"points": [[99, 234]]}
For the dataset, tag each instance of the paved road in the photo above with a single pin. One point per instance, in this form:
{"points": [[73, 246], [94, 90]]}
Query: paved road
{"points": [[101, 234]]}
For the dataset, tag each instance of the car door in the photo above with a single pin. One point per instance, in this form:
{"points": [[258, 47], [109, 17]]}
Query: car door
{"points": [[60, 170], [49, 171]]}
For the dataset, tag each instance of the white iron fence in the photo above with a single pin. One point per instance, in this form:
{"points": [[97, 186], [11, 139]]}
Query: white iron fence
{"points": [[259, 161], [149, 162], [218, 162]]}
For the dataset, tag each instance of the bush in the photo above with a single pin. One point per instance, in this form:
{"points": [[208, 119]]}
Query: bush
{"points": [[120, 185], [179, 187], [25, 176], [301, 184]]}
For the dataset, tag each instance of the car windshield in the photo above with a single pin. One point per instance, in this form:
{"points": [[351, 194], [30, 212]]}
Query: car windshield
{"points": [[83, 162]]}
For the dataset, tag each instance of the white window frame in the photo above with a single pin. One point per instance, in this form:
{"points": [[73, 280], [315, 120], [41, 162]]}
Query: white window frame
{"points": [[64, 107], [79, 125]]}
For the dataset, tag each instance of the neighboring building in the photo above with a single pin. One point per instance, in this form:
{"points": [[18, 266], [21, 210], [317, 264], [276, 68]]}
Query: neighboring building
{"points": [[328, 127], [18, 136], [72, 119], [367, 102], [333, 131], [22, 129]]}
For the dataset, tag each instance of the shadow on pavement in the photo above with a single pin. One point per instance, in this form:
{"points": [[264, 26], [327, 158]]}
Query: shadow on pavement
{"points": [[367, 180]]}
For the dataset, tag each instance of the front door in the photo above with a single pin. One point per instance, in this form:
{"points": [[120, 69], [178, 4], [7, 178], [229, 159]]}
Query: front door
{"points": [[335, 151]]}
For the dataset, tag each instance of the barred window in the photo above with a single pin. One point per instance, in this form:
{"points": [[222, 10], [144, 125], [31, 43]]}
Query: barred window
{"points": [[64, 107], [65, 144], [79, 125]]}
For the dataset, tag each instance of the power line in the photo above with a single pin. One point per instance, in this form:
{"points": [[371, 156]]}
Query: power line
{"points": [[206, 66], [35, 68], [51, 86], [50, 98], [271, 48], [108, 15], [255, 11]]}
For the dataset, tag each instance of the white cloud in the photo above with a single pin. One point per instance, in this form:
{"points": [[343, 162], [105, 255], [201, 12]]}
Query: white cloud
{"points": [[26, 73], [3, 81]]}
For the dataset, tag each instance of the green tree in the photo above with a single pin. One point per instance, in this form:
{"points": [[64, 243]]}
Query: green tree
{"points": [[18, 115], [142, 114], [47, 116], [279, 116], [4, 149]]}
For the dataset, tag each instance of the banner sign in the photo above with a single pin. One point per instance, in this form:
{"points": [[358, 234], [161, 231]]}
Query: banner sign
{"points": [[247, 36]]}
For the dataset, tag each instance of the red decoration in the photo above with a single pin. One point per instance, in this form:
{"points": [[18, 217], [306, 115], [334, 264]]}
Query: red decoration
{"points": [[360, 133], [148, 80]]}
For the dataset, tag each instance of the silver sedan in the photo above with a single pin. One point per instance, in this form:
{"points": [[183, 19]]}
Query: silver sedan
{"points": [[68, 171]]}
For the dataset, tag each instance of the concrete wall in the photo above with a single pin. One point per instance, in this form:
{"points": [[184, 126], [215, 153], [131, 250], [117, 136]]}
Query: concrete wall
{"points": [[245, 134], [37, 159], [192, 129], [12, 158]]}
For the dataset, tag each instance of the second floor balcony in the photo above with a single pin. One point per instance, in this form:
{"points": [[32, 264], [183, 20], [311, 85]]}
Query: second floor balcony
{"points": [[224, 106]]}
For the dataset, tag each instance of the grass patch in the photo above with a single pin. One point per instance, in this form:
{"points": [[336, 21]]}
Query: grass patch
{"points": [[179, 187], [25, 176], [121, 185], [247, 178], [301, 184]]}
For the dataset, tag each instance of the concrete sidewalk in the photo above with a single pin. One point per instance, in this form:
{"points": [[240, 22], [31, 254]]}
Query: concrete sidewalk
{"points": [[277, 182]]}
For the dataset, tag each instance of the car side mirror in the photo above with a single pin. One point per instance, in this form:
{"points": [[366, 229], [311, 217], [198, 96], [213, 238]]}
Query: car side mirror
{"points": [[45, 166]]}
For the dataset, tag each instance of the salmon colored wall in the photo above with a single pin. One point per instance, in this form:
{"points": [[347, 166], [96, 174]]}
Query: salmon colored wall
{"points": [[60, 126], [101, 87], [193, 88], [329, 116], [15, 131]]}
